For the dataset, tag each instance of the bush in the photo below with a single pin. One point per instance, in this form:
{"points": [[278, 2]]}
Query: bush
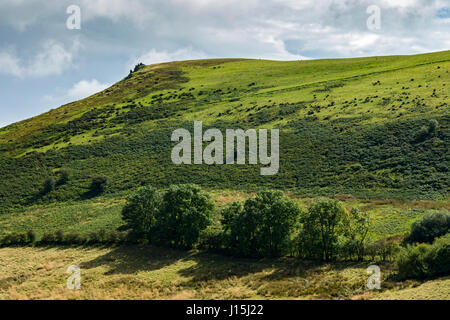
{"points": [[142, 211], [48, 238], [31, 236], [428, 131], [213, 239], [433, 127], [425, 260], [185, 212], [386, 249], [49, 185], [439, 257], [73, 238], [15, 239], [263, 226], [411, 262], [98, 185], [64, 176], [430, 227]]}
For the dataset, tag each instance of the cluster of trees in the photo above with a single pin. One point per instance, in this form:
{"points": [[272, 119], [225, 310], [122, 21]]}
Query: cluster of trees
{"points": [[174, 218], [272, 225], [268, 225]]}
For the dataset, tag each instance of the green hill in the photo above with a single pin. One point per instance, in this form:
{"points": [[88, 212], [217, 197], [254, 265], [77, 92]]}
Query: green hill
{"points": [[371, 127]]}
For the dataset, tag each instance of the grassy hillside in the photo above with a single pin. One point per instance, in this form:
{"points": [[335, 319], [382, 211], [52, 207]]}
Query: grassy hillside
{"points": [[372, 127]]}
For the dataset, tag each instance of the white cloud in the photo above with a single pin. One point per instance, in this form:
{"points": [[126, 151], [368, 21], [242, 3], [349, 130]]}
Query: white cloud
{"points": [[10, 64], [154, 56], [250, 28], [53, 59], [86, 88], [136, 11]]}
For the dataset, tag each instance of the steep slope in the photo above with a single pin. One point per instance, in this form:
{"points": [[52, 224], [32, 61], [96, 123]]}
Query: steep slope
{"points": [[375, 127]]}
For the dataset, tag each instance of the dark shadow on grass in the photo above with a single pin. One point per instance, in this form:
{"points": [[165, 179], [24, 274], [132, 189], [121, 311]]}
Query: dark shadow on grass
{"points": [[217, 267], [90, 194], [134, 258], [283, 276]]}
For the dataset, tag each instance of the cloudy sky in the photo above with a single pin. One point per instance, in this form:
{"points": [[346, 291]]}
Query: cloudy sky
{"points": [[44, 64]]}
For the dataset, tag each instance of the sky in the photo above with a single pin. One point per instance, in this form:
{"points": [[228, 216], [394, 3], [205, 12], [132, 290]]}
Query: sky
{"points": [[47, 61]]}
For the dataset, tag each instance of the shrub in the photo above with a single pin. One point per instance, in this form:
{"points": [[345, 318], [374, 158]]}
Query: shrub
{"points": [[430, 130], [97, 237], [439, 257], [31, 236], [213, 239], [430, 227], [15, 239], [73, 238], [263, 226], [411, 262], [59, 237], [142, 211], [433, 127], [425, 260], [185, 212], [64, 176], [49, 185], [48, 238], [98, 185]]}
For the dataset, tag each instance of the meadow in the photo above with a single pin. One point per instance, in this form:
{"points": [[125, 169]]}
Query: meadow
{"points": [[145, 272]]}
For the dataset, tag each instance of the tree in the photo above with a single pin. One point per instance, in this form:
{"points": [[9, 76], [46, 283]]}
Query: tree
{"points": [[323, 224], [185, 212], [430, 227], [358, 228], [263, 226], [142, 211]]}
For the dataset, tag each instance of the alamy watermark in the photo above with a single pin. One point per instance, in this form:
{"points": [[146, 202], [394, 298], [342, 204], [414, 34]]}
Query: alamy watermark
{"points": [[374, 20], [374, 281], [213, 153], [74, 20], [74, 281]]}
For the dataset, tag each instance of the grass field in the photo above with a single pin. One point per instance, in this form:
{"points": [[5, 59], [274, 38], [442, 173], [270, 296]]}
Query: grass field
{"points": [[153, 273]]}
